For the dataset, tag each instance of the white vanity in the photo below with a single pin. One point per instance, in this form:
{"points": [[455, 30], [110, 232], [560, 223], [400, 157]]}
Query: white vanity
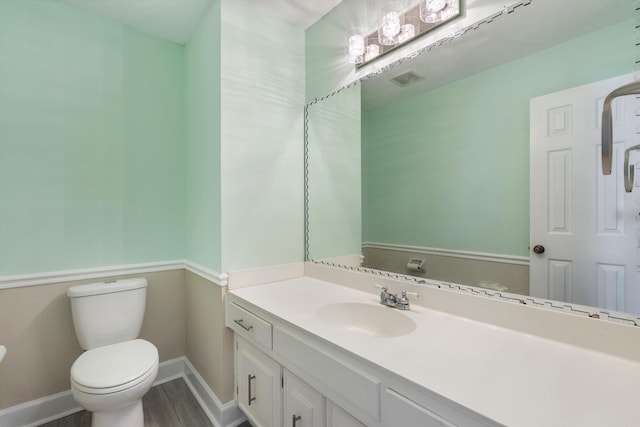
{"points": [[314, 353]]}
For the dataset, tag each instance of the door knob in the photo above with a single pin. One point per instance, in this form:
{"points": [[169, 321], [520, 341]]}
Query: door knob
{"points": [[539, 249]]}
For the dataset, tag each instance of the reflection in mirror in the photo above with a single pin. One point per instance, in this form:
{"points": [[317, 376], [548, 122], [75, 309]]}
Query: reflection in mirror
{"points": [[447, 164], [333, 176]]}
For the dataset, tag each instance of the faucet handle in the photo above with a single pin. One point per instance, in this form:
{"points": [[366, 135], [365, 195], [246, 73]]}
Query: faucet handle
{"points": [[403, 302], [384, 294]]}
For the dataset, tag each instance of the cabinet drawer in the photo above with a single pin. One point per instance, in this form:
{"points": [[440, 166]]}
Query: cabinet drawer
{"points": [[248, 325]]}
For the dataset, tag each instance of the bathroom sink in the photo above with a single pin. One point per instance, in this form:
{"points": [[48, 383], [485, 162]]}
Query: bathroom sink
{"points": [[366, 319]]}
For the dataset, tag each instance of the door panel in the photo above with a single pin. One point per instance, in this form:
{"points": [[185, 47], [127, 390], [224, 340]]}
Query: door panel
{"points": [[303, 406], [258, 386], [586, 222]]}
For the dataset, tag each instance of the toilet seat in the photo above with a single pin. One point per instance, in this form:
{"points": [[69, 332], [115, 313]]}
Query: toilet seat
{"points": [[114, 367]]}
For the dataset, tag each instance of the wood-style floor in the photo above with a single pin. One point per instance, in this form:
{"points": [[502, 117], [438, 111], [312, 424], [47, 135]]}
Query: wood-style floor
{"points": [[167, 405]]}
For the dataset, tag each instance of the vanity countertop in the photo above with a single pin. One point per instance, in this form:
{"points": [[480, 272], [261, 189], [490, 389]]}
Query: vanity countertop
{"points": [[513, 378]]}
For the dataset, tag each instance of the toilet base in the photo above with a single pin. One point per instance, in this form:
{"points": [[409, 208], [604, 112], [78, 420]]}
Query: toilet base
{"points": [[129, 416]]}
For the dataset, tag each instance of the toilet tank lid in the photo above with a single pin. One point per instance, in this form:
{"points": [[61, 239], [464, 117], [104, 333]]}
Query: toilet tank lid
{"points": [[106, 287]]}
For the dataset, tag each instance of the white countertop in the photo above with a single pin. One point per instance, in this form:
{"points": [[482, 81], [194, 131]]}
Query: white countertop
{"points": [[510, 377]]}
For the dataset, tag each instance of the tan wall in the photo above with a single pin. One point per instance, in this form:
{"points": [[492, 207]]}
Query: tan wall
{"points": [[209, 344], [451, 269], [36, 328]]}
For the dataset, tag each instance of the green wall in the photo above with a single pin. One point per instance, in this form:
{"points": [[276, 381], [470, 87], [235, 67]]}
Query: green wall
{"points": [[91, 130], [203, 142], [120, 148], [449, 168]]}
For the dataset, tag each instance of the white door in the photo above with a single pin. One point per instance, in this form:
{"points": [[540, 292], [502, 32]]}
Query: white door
{"points": [[587, 224]]}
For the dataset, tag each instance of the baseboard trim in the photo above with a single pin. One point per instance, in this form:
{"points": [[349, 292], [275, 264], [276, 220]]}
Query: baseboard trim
{"points": [[221, 415], [47, 409], [39, 411]]}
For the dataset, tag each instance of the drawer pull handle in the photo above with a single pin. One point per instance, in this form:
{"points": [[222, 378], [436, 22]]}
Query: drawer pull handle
{"points": [[294, 419], [250, 378], [246, 328]]}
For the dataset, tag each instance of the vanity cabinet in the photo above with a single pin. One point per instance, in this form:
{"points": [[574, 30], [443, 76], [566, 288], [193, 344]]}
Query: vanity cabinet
{"points": [[287, 377]]}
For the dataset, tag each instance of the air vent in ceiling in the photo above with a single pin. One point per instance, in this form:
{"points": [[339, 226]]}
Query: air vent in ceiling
{"points": [[406, 79]]}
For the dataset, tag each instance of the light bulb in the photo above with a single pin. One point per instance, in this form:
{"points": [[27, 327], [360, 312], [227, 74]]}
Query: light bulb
{"points": [[453, 9], [407, 32], [373, 50], [435, 5], [390, 20], [391, 24], [356, 45], [430, 10]]}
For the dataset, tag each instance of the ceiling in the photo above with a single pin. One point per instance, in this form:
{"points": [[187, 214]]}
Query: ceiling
{"points": [[508, 37], [176, 19]]}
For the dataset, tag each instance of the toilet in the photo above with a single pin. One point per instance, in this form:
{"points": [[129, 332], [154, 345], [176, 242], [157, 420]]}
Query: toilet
{"points": [[110, 378]]}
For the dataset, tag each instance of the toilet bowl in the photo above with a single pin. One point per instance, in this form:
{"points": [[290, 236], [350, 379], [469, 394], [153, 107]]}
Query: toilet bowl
{"points": [[110, 382], [117, 369]]}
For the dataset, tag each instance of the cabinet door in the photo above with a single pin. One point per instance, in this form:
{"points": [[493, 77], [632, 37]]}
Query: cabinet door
{"points": [[303, 406], [258, 386], [337, 417]]}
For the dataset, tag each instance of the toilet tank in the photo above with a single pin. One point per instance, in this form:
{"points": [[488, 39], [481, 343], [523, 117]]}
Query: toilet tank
{"points": [[108, 312]]}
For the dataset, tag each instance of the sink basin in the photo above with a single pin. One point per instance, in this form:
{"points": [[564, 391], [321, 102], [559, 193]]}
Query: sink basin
{"points": [[366, 319]]}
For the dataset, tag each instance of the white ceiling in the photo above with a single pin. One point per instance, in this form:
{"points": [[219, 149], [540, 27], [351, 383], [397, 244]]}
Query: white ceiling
{"points": [[175, 20], [529, 29], [300, 13]]}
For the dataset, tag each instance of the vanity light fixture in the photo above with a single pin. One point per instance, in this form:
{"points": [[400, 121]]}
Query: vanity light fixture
{"points": [[396, 26]]}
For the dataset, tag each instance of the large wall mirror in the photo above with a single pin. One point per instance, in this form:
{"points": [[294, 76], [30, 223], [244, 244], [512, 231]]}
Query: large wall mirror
{"points": [[461, 159]]}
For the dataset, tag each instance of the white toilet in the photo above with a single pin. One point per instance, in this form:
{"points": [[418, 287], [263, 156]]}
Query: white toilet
{"points": [[110, 378]]}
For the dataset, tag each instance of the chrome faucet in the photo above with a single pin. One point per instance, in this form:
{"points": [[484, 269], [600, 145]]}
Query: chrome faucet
{"points": [[392, 300]]}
